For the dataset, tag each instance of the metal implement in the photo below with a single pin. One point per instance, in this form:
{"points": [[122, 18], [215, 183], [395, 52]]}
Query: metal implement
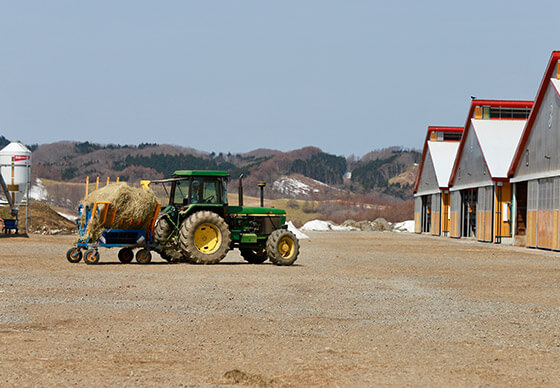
{"points": [[126, 239]]}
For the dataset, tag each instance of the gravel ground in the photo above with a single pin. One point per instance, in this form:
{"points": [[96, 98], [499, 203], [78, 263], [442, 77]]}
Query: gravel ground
{"points": [[358, 309]]}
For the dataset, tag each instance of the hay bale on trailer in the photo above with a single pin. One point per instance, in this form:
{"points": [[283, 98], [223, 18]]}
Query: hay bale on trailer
{"points": [[129, 208]]}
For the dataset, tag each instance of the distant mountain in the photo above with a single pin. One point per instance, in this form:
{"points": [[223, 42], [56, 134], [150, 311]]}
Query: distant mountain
{"points": [[387, 173]]}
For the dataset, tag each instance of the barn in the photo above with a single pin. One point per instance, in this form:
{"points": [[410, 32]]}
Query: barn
{"points": [[535, 169], [431, 195], [480, 191]]}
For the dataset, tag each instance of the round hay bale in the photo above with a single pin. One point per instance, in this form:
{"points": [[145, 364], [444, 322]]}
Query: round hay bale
{"points": [[133, 208]]}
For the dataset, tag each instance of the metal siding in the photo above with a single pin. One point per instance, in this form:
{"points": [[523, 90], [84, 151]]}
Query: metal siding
{"points": [[532, 211], [417, 214], [455, 213], [544, 141], [428, 180], [484, 213], [436, 214], [472, 171], [545, 214]]}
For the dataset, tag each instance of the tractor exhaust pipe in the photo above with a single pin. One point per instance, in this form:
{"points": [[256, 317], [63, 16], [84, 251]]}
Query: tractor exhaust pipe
{"points": [[241, 190], [262, 185]]}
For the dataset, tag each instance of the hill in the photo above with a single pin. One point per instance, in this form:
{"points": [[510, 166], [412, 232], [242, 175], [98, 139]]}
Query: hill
{"points": [[323, 173], [334, 184]]}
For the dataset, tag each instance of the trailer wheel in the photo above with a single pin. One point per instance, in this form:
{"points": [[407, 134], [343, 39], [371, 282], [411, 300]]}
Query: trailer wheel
{"points": [[143, 256], [126, 255], [282, 247], [91, 256], [205, 237], [254, 256], [74, 255]]}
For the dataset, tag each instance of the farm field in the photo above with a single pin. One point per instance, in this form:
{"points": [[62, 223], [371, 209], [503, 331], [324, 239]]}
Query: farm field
{"points": [[357, 309]]}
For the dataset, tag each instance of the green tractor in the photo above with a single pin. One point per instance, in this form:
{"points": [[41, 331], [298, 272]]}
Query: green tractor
{"points": [[199, 226]]}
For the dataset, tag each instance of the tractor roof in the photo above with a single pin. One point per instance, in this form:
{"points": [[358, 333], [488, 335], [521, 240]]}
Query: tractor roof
{"points": [[210, 173]]}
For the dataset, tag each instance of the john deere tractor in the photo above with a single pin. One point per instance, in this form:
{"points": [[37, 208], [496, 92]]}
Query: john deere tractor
{"points": [[199, 226]]}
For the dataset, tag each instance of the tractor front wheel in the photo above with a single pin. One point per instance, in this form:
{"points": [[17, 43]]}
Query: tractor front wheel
{"points": [[205, 237], [167, 249], [254, 256], [162, 230], [282, 247]]}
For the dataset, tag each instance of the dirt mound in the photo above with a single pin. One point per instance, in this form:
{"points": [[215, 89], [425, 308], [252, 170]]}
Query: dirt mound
{"points": [[238, 377], [42, 219]]}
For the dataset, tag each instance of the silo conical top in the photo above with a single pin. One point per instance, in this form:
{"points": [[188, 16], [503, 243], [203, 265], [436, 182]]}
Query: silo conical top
{"points": [[15, 167]]}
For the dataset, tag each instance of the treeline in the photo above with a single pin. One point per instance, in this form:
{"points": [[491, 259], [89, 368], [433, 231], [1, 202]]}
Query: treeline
{"points": [[4, 142], [323, 167], [376, 174], [167, 164]]}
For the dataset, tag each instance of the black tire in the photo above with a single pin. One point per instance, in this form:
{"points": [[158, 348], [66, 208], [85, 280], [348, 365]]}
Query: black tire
{"points": [[125, 255], [74, 255], [162, 230], [173, 255], [282, 247], [168, 249], [205, 237], [143, 256], [254, 256], [91, 256]]}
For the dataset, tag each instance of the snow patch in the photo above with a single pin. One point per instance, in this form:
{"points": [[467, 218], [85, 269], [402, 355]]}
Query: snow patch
{"points": [[405, 226], [38, 191], [293, 187], [68, 216], [296, 231], [324, 226]]}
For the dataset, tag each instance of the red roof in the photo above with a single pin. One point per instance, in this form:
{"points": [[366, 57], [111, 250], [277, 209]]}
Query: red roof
{"points": [[475, 103], [530, 121], [425, 149]]}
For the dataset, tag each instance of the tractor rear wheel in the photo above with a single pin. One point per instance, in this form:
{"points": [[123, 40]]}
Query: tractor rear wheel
{"points": [[205, 237], [125, 255], [254, 256], [91, 256], [74, 255], [282, 247]]}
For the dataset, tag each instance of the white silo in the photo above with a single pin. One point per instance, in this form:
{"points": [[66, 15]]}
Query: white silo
{"points": [[15, 169]]}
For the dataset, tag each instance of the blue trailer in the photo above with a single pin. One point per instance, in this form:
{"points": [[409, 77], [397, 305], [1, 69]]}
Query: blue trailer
{"points": [[126, 239]]}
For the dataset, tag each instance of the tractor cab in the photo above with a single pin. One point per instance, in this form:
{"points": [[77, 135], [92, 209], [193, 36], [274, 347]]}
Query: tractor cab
{"points": [[198, 188]]}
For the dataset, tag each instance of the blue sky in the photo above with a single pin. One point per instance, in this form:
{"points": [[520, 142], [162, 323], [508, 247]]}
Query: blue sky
{"points": [[233, 76]]}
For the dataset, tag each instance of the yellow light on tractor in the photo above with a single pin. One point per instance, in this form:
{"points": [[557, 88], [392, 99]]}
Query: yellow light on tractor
{"points": [[145, 184]]}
